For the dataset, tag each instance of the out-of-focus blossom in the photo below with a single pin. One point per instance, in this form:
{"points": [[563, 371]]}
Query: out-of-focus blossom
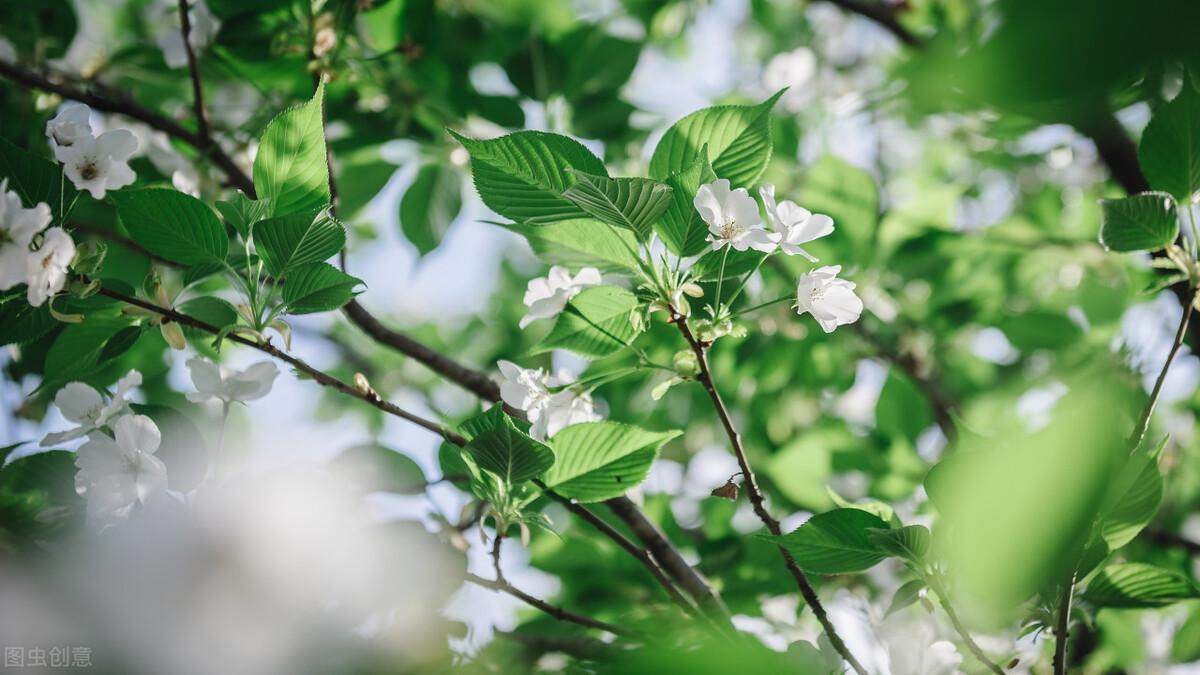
{"points": [[228, 385], [121, 473], [18, 225], [796, 224], [46, 268], [546, 297], [732, 218], [830, 300], [84, 406], [202, 24]]}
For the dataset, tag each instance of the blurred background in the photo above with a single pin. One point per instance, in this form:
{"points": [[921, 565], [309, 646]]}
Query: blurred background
{"points": [[960, 145]]}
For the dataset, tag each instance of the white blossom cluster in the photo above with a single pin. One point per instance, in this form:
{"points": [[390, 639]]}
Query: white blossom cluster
{"points": [[95, 164], [43, 269], [118, 469]]}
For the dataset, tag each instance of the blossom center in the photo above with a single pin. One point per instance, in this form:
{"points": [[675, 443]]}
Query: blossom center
{"points": [[88, 171], [730, 230]]}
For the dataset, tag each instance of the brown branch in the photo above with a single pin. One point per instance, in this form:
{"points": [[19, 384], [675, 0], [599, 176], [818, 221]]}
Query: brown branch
{"points": [[125, 106], [940, 403], [319, 376], [621, 540], [1168, 538], [757, 500], [882, 14], [185, 28], [553, 610]]}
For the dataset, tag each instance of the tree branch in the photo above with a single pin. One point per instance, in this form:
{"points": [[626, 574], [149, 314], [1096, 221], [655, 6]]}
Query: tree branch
{"points": [[185, 28], [553, 610], [757, 500], [124, 106], [884, 15]]}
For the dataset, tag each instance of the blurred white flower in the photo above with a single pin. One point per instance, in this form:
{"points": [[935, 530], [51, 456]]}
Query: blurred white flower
{"points": [[84, 406], [830, 300], [71, 124], [796, 224], [565, 408], [46, 268], [203, 28], [324, 42], [8, 53], [99, 164], [793, 70], [228, 385], [548, 413], [118, 474], [18, 225], [546, 297], [732, 217]]}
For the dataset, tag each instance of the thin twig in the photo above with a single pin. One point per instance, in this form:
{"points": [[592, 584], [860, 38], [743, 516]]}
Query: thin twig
{"points": [[185, 28], [621, 540], [554, 610], [1062, 629], [757, 500], [882, 14], [962, 631]]}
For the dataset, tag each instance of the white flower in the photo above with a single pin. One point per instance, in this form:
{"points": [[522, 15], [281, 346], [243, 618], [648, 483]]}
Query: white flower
{"points": [[546, 297], [18, 225], [324, 42], [85, 407], [99, 164], [202, 24], [548, 413], [794, 70], [8, 53], [830, 300], [227, 385], [732, 218], [565, 408], [46, 268], [117, 474], [71, 124], [796, 224]]}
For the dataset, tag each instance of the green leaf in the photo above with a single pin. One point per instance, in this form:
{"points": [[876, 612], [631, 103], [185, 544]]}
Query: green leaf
{"points": [[632, 203], [601, 460], [834, 542], [290, 168], [681, 228], [36, 179], [429, 206], [738, 139], [1138, 585], [902, 410], [510, 453], [19, 322], [737, 264], [905, 596], [211, 310], [241, 212], [595, 323], [172, 225], [522, 176], [910, 542], [376, 468], [1138, 494], [297, 239], [1186, 646], [581, 243], [1144, 222], [1170, 148], [77, 349], [318, 287]]}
